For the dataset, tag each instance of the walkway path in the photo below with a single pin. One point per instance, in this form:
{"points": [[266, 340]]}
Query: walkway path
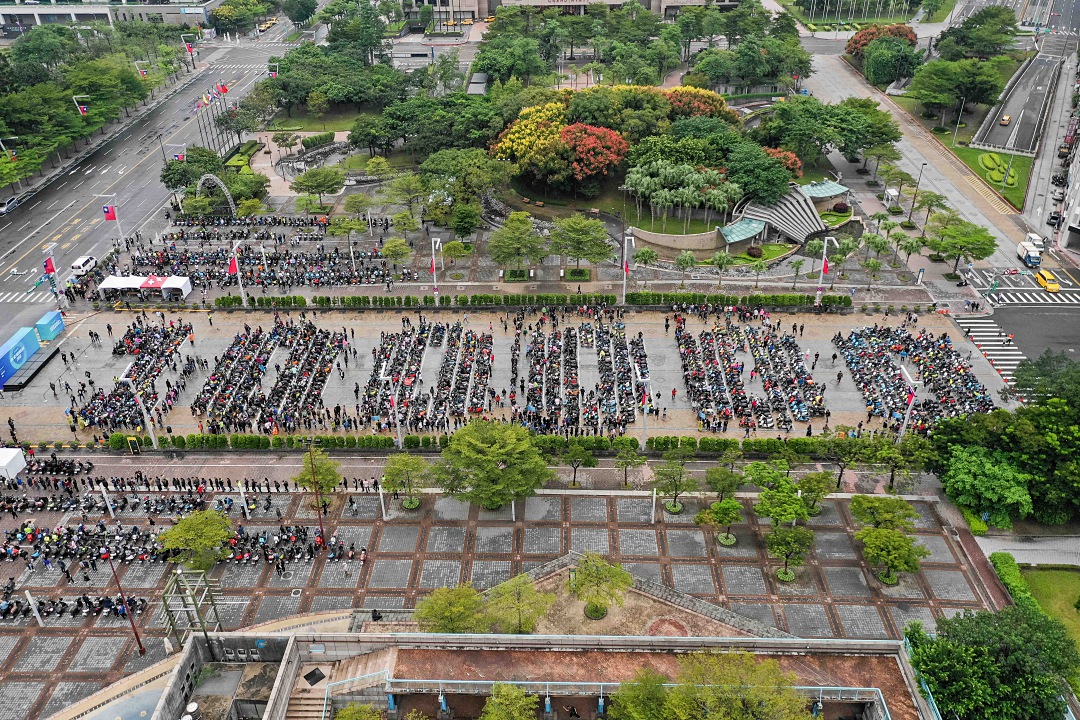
{"points": [[1059, 550]]}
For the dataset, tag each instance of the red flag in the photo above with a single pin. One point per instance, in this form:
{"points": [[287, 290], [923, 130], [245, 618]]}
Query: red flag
{"points": [[223, 88], [644, 398], [273, 73], [83, 109], [179, 157], [825, 265], [626, 266], [50, 268], [110, 211], [432, 266], [142, 72], [910, 396], [232, 265]]}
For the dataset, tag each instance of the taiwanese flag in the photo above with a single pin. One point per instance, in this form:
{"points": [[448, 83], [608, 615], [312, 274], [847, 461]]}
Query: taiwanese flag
{"points": [[232, 265], [189, 48], [910, 396], [273, 73], [432, 266], [825, 265], [110, 211], [144, 73], [83, 109], [50, 268], [644, 398], [179, 157], [626, 267], [222, 88]]}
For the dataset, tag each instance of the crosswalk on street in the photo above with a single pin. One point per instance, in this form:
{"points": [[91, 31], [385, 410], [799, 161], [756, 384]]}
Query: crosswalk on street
{"points": [[28, 298], [239, 66], [994, 343], [1034, 297]]}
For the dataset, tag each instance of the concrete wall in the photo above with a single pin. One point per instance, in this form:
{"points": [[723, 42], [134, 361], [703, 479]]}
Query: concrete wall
{"points": [[696, 242]]}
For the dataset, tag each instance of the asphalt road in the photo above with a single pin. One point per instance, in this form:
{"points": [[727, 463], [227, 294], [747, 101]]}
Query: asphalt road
{"points": [[1041, 328], [66, 217], [1024, 105]]}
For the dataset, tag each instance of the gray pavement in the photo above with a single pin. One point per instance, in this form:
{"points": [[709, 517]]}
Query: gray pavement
{"points": [[1029, 550]]}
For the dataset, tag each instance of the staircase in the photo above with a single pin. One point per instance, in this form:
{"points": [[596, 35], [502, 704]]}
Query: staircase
{"points": [[306, 701]]}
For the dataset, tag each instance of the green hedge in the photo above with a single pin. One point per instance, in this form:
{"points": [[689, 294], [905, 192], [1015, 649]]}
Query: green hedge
{"points": [[781, 300], [262, 301], [314, 141], [1009, 572], [975, 523], [516, 275], [578, 274]]}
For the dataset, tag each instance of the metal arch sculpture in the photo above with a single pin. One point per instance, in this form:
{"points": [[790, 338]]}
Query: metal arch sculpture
{"points": [[210, 177]]}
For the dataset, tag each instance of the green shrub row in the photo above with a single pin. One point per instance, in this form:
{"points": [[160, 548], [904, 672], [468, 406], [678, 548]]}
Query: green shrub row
{"points": [[975, 523], [581, 274], [781, 300], [1009, 572], [314, 141], [660, 443], [516, 275], [262, 301]]}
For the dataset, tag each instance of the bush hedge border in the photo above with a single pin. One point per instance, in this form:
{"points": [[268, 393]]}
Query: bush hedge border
{"points": [[1009, 573]]}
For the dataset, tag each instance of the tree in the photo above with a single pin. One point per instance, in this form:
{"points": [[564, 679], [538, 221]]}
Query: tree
{"points": [[890, 59], [452, 610], [781, 503], [326, 476], [757, 267], [891, 550], [397, 251], [598, 584], [198, 538], [796, 266], [575, 455], [861, 40], [356, 711], [790, 544], [407, 190], [465, 218], [455, 250], [882, 511], [873, 267], [931, 202], [813, 487], [516, 242], [723, 513], [319, 182], [643, 698], [249, 207], [286, 140], [580, 238], [721, 261], [1013, 664], [358, 204], [379, 167], [408, 474], [988, 483], [706, 679], [672, 479], [318, 104], [509, 702], [723, 481], [965, 240], [814, 248], [299, 11], [515, 606], [646, 256], [685, 261], [491, 464], [627, 458], [405, 223], [911, 245], [237, 120], [983, 34]]}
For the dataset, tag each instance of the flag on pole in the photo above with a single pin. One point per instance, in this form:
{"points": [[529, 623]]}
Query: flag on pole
{"points": [[143, 72], [199, 104], [50, 268], [825, 265], [222, 88], [432, 265], [644, 398], [910, 396], [84, 109], [110, 211], [178, 156], [273, 73], [215, 92], [626, 267], [232, 265], [189, 48]]}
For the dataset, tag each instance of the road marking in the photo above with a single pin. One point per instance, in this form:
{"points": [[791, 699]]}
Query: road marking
{"points": [[76, 236], [24, 224], [65, 246], [9, 222], [35, 205], [95, 221], [65, 182], [51, 206]]}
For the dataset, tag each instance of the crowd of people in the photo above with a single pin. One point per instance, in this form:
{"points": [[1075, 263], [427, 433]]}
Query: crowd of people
{"points": [[874, 356], [713, 375]]}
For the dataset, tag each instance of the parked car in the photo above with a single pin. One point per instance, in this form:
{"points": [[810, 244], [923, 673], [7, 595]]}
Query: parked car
{"points": [[9, 205], [1054, 220], [83, 265]]}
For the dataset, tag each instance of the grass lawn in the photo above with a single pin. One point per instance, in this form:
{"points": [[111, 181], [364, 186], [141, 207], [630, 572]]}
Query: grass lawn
{"points": [[337, 120], [1057, 591], [943, 12], [1021, 166], [835, 218], [813, 174], [770, 251], [294, 36], [359, 160], [823, 19]]}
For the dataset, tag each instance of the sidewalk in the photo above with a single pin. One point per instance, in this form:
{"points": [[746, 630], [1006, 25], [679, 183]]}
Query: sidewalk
{"points": [[1061, 550]]}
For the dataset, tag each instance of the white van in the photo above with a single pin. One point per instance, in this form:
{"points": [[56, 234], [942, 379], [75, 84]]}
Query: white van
{"points": [[83, 265], [1037, 240], [8, 205]]}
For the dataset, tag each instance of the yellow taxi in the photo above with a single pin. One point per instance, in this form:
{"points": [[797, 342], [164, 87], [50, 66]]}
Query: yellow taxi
{"points": [[489, 19], [1046, 279], [450, 23], [1006, 119]]}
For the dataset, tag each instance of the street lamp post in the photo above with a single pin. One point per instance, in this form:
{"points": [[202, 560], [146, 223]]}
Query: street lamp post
{"points": [[393, 406], [627, 243], [239, 273], [915, 197], [142, 408], [910, 403], [959, 117], [123, 599]]}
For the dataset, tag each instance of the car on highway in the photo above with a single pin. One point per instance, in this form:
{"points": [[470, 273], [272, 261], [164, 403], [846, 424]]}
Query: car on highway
{"points": [[8, 205], [83, 265], [1058, 195], [1006, 119], [1046, 279], [1054, 220]]}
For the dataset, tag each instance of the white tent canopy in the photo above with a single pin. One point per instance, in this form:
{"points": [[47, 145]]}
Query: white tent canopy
{"points": [[120, 284], [12, 462], [176, 285]]}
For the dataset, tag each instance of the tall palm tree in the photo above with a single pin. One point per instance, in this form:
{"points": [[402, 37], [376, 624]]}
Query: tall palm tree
{"points": [[757, 267], [867, 241], [721, 261], [813, 248], [663, 200], [910, 246], [872, 267], [888, 226], [896, 240], [879, 217], [690, 199], [796, 265], [878, 244]]}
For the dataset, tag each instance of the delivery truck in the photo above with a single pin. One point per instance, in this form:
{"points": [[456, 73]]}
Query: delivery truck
{"points": [[1029, 254]]}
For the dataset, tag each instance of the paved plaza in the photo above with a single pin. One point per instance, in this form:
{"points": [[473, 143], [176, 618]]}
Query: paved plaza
{"points": [[39, 415], [447, 542]]}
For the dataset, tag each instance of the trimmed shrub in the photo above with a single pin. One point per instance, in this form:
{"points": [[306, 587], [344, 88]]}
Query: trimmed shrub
{"points": [[578, 274], [117, 441], [319, 140], [1009, 572], [755, 251], [975, 523]]}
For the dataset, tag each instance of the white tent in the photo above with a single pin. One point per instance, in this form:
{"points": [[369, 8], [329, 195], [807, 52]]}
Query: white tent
{"points": [[176, 285], [120, 284], [12, 462]]}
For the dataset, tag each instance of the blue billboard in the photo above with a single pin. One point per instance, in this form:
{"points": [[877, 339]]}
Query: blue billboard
{"points": [[50, 325], [16, 351]]}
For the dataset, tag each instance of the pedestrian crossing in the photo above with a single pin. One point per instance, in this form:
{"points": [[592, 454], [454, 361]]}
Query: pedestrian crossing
{"points": [[994, 344], [26, 298], [1035, 297], [239, 66]]}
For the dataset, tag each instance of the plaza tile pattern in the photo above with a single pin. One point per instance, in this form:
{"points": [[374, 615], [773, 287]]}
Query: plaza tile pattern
{"points": [[447, 542]]}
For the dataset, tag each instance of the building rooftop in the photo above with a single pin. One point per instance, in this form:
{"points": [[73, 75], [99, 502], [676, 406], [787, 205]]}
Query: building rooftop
{"points": [[823, 189]]}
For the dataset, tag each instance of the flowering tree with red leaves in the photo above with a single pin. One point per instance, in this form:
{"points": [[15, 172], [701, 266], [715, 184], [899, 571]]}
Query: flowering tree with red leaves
{"points": [[791, 161], [592, 150], [856, 46], [689, 101]]}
